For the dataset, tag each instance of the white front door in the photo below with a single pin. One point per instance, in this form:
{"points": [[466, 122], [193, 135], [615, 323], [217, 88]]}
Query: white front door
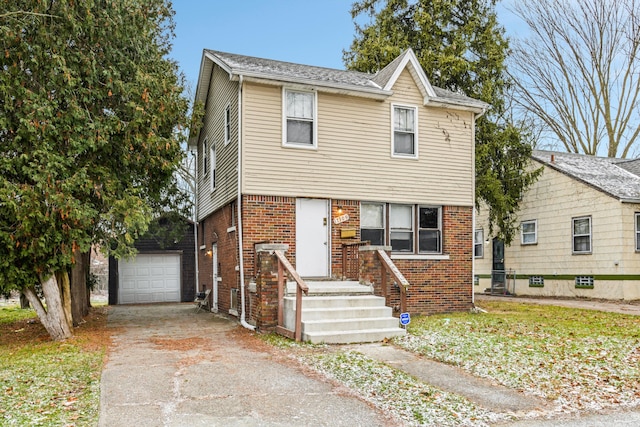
{"points": [[312, 237]]}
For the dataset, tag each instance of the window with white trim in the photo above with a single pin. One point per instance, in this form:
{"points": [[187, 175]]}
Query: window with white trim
{"points": [[401, 228], [408, 229], [478, 243], [372, 223], [227, 124], [581, 235], [205, 157], [405, 131], [300, 118], [429, 226], [637, 231], [529, 232], [212, 175]]}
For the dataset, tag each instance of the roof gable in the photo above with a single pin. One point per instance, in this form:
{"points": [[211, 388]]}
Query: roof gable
{"points": [[605, 174], [388, 76]]}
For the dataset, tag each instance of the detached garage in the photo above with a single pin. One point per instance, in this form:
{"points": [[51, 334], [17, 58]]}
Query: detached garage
{"points": [[150, 278], [162, 271]]}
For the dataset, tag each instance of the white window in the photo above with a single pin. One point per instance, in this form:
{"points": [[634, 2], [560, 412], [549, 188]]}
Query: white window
{"points": [[581, 231], [372, 224], [401, 228], [205, 157], [212, 175], [405, 132], [478, 243], [429, 226], [638, 232], [529, 232], [227, 124], [300, 119]]}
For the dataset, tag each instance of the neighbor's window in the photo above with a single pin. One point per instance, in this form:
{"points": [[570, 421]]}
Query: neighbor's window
{"points": [[637, 231], [529, 232], [405, 132], [401, 228], [213, 167], [429, 220], [581, 235], [372, 223], [300, 113], [227, 124], [478, 243]]}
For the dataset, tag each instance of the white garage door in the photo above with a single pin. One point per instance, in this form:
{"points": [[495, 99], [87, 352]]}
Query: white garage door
{"points": [[149, 278]]}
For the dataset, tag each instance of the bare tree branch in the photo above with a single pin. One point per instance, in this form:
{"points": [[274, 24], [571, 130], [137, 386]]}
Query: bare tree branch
{"points": [[578, 72]]}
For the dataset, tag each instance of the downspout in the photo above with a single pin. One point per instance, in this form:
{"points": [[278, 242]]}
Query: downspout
{"points": [[473, 231], [243, 321], [195, 218]]}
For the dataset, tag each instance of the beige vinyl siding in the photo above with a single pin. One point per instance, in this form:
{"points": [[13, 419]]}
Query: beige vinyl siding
{"points": [[553, 201], [222, 92], [353, 159]]}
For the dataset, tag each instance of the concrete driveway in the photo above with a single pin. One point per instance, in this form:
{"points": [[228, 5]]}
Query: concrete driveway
{"points": [[170, 366]]}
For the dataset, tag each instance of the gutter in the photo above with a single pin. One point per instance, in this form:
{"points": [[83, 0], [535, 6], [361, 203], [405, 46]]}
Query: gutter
{"points": [[243, 321]]}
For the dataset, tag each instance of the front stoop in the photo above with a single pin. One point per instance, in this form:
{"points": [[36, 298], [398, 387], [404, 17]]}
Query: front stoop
{"points": [[341, 313]]}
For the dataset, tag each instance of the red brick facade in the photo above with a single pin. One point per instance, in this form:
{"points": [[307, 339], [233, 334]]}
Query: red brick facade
{"points": [[437, 285]]}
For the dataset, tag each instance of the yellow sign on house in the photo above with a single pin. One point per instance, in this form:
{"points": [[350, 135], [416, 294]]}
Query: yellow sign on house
{"points": [[348, 233]]}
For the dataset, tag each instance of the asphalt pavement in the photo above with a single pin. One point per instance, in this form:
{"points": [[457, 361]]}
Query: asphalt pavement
{"points": [[170, 366]]}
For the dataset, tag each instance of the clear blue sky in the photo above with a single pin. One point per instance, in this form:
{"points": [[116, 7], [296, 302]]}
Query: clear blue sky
{"points": [[312, 32]]}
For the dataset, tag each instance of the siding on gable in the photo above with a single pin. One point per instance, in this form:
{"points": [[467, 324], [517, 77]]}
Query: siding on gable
{"points": [[353, 159], [222, 92]]}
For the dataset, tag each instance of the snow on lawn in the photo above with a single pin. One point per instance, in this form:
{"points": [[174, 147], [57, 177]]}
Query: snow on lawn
{"points": [[582, 360]]}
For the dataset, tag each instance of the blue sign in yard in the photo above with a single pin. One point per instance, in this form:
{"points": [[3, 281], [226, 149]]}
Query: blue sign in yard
{"points": [[405, 319]]}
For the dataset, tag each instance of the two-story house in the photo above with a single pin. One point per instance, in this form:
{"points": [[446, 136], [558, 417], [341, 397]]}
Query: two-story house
{"points": [[319, 158], [579, 232]]}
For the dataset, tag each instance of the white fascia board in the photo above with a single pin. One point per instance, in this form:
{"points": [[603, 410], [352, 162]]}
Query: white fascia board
{"points": [[410, 58]]}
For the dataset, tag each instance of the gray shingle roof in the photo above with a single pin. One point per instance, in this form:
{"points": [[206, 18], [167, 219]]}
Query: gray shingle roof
{"points": [[603, 173], [240, 64], [328, 77]]}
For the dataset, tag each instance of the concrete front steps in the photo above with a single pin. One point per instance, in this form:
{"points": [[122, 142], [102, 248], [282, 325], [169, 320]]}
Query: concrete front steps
{"points": [[341, 312]]}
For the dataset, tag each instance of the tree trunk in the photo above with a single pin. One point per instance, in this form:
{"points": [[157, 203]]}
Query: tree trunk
{"points": [[79, 306], [65, 295], [53, 317], [24, 302]]}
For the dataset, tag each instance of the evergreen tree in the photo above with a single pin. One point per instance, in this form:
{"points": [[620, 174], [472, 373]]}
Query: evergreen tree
{"points": [[462, 48], [90, 108]]}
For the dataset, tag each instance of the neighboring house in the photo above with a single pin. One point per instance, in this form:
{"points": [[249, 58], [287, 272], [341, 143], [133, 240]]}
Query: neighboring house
{"points": [[318, 158], [579, 232], [164, 269]]}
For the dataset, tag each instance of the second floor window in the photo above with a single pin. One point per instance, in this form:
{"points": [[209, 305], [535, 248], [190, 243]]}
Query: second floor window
{"points": [[405, 132], [227, 124], [212, 160], [300, 112], [581, 235], [205, 158]]}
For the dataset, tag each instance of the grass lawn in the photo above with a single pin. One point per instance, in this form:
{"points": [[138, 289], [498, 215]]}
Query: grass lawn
{"points": [[579, 360], [45, 383]]}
